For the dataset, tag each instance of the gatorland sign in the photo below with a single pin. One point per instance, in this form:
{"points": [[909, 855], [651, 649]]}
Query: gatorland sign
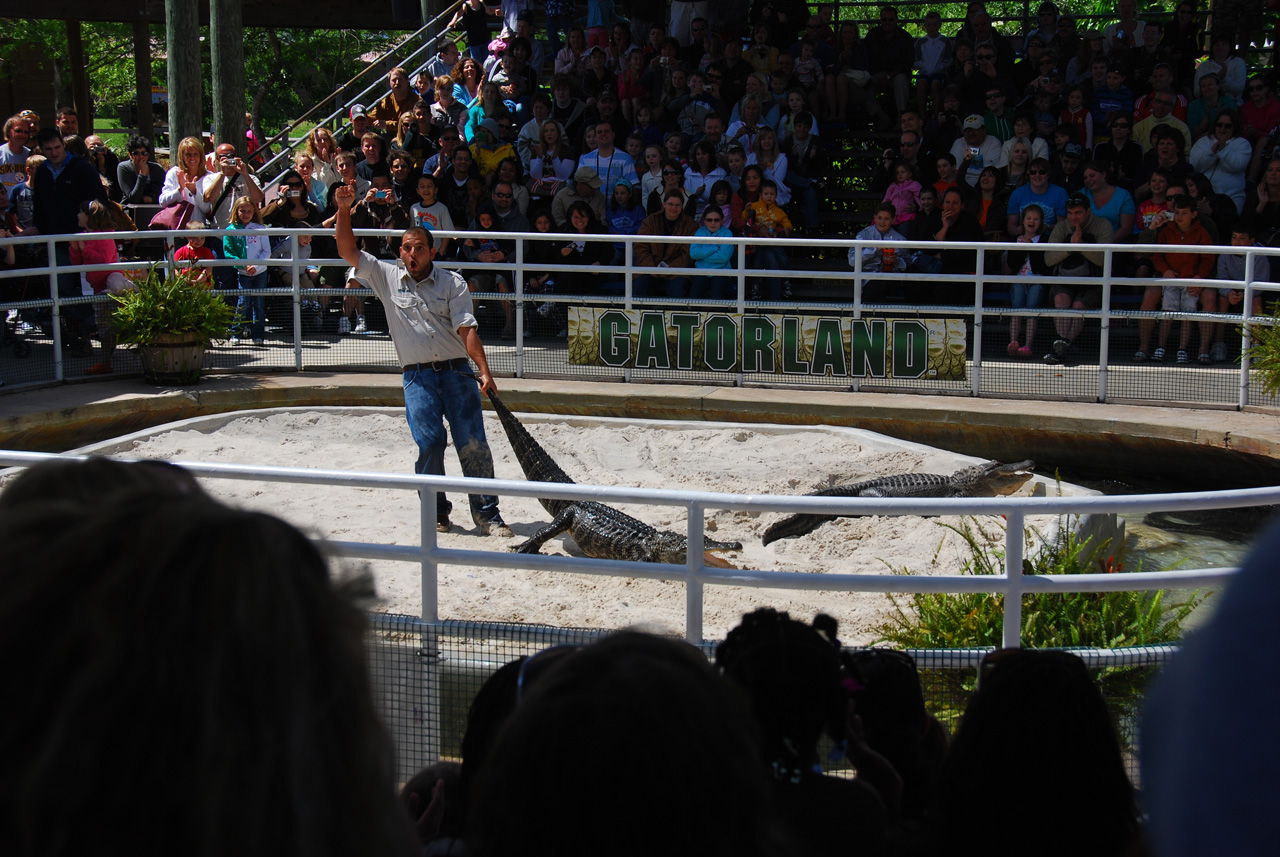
{"points": [[905, 348]]}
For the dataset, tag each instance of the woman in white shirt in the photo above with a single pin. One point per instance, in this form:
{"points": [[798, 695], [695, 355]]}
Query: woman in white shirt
{"points": [[181, 180], [1223, 156]]}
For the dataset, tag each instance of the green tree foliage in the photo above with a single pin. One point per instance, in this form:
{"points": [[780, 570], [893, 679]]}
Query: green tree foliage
{"points": [[286, 70]]}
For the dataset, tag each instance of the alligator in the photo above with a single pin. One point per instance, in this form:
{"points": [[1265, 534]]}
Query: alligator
{"points": [[600, 531], [990, 479]]}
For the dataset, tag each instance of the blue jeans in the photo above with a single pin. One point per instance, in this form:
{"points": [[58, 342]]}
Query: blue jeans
{"points": [[557, 25], [1026, 295], [650, 286], [77, 319], [429, 398], [802, 187], [772, 258], [717, 287], [253, 308]]}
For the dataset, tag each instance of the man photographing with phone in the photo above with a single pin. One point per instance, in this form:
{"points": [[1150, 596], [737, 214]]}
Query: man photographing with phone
{"points": [[433, 325]]}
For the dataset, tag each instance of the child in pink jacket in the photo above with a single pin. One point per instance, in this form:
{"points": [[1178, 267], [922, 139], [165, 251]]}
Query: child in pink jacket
{"points": [[96, 217], [904, 193]]}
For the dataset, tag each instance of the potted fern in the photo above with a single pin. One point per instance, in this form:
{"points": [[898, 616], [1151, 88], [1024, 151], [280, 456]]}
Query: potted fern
{"points": [[1264, 353], [170, 317]]}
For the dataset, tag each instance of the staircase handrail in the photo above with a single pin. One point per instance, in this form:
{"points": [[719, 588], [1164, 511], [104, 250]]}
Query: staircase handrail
{"points": [[427, 44]]}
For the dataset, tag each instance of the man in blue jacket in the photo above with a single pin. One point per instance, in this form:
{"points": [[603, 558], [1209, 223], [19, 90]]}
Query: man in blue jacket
{"points": [[60, 186]]}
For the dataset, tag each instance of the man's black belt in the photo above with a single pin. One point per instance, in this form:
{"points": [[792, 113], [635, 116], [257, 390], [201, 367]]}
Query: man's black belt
{"points": [[439, 365]]}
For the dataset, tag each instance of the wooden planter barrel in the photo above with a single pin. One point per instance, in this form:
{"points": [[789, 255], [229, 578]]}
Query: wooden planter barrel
{"points": [[173, 358]]}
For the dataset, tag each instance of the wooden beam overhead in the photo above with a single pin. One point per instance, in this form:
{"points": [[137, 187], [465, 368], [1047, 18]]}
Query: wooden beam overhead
{"points": [[311, 15]]}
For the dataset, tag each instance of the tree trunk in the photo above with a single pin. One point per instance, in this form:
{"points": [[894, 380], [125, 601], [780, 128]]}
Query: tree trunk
{"points": [[226, 51], [182, 45]]}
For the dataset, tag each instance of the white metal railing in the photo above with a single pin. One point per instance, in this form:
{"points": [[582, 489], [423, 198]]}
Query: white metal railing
{"points": [[1013, 583], [852, 303]]}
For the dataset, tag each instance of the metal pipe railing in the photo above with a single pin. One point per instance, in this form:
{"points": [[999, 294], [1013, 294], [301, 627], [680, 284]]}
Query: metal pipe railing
{"points": [[857, 278], [291, 145], [695, 575]]}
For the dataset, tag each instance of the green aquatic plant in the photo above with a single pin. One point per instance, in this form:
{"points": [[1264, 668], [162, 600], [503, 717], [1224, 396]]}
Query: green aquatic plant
{"points": [[1074, 619], [161, 304], [1264, 353]]}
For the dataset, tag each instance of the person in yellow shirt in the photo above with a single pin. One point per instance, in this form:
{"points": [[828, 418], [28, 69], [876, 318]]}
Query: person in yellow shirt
{"points": [[766, 219], [489, 150]]}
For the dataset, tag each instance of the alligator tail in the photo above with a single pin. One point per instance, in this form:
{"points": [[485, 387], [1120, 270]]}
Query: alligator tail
{"points": [[536, 462], [794, 526]]}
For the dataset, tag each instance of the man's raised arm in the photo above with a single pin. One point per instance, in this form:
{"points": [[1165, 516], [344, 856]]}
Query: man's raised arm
{"points": [[343, 198]]}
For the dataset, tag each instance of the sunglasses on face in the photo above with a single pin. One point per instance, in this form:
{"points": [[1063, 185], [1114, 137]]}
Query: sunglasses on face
{"points": [[671, 172], [141, 153], [1039, 172], [1227, 125], [986, 56], [1257, 88]]}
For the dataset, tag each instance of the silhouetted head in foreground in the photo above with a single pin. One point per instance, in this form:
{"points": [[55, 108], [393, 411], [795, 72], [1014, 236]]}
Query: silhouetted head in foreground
{"points": [[629, 746], [196, 665], [1037, 750]]}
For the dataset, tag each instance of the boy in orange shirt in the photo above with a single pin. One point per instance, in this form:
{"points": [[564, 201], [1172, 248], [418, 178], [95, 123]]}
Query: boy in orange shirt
{"points": [[1185, 230]]}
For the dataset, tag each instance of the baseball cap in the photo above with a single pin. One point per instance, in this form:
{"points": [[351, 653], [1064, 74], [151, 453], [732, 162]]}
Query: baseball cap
{"points": [[973, 120], [1078, 200], [1075, 150], [358, 110], [588, 176]]}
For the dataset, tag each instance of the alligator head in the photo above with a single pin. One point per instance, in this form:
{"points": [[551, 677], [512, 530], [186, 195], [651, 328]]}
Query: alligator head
{"points": [[993, 479]]}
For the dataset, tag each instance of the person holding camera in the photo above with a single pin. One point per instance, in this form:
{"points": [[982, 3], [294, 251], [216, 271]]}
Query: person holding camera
{"points": [[105, 162], [222, 189], [291, 208], [218, 192], [976, 150]]}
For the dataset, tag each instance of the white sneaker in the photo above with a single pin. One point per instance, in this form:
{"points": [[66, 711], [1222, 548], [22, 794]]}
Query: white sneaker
{"points": [[344, 325], [360, 328]]}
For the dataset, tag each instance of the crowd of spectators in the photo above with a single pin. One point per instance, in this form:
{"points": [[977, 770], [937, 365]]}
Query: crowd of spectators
{"points": [[1126, 126], [717, 108]]}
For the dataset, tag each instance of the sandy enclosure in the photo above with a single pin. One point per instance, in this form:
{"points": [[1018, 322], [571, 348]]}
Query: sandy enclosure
{"points": [[733, 458]]}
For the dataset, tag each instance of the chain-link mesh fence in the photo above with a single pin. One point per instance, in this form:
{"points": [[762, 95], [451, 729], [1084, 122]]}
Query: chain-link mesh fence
{"points": [[425, 677]]}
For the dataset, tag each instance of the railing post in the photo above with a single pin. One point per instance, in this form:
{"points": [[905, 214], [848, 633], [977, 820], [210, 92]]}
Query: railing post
{"points": [[857, 280], [1014, 547], [1246, 340], [1104, 322], [693, 583], [628, 287], [296, 272], [519, 290], [740, 276], [430, 584], [59, 369], [979, 287]]}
